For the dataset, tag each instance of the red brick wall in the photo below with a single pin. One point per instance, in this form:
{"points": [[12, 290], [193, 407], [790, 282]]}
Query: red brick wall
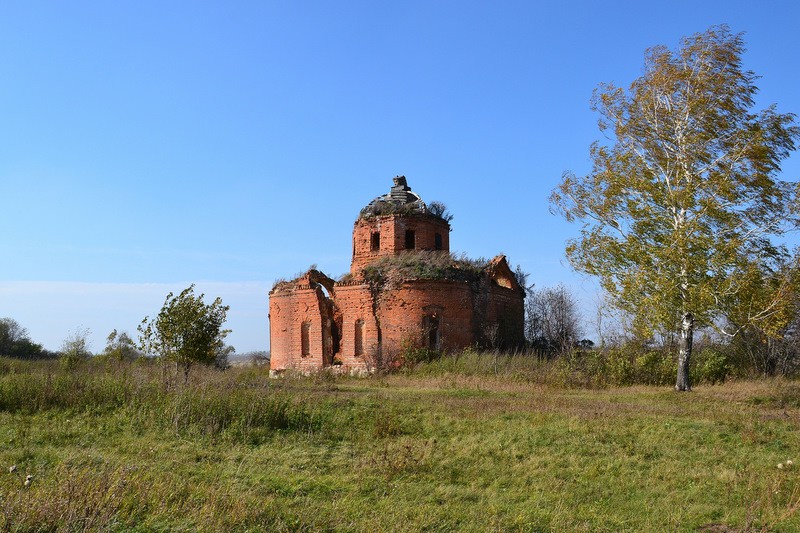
{"points": [[507, 309], [402, 311], [465, 318], [355, 303], [287, 312], [393, 229]]}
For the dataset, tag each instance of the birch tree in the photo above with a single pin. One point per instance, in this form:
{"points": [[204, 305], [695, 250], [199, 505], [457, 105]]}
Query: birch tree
{"points": [[683, 203]]}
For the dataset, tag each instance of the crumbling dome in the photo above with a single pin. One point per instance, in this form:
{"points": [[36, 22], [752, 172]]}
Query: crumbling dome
{"points": [[400, 200]]}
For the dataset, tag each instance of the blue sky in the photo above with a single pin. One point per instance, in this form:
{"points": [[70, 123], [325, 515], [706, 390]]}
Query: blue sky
{"points": [[148, 145]]}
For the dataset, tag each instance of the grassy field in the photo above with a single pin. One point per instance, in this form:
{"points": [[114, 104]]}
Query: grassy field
{"points": [[115, 446]]}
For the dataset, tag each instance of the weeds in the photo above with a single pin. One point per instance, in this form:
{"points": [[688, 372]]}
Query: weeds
{"points": [[241, 415], [772, 503], [74, 498], [241, 406], [424, 265], [405, 458]]}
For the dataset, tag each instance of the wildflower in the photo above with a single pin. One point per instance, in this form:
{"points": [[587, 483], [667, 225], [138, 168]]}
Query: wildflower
{"points": [[28, 480], [780, 466], [789, 462], [12, 469]]}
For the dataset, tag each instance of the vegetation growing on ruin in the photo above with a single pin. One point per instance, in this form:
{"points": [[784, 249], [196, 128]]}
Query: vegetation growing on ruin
{"points": [[435, 209], [390, 208], [420, 264], [424, 265], [477, 442], [281, 284], [439, 209]]}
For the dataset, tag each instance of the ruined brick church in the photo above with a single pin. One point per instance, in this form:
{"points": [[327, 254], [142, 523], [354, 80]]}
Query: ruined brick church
{"points": [[404, 290]]}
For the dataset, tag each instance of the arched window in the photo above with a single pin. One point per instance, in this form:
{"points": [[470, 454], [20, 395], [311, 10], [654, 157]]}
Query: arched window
{"points": [[430, 331], [358, 338], [305, 343]]}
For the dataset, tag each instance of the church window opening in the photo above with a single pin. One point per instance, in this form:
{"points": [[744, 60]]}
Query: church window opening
{"points": [[375, 241], [430, 330], [410, 239], [358, 337], [305, 343], [438, 241]]}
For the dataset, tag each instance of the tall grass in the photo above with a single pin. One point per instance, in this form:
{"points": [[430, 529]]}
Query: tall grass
{"points": [[33, 392], [476, 442], [601, 368], [242, 406]]}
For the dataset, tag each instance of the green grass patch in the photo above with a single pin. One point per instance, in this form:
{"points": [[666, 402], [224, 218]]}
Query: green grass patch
{"points": [[122, 447]]}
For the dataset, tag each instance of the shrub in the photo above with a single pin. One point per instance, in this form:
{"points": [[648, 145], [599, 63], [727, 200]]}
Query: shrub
{"points": [[655, 367], [621, 366], [711, 366], [578, 368], [439, 209]]}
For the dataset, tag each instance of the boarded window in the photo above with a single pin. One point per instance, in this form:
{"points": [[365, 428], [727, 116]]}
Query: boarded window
{"points": [[410, 239], [375, 241], [358, 337], [438, 241], [305, 342]]}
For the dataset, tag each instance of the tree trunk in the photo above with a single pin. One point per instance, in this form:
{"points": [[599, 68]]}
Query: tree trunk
{"points": [[186, 367], [683, 383]]}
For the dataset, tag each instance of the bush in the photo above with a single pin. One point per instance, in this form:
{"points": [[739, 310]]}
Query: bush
{"points": [[579, 368], [711, 366], [412, 355], [631, 364], [656, 367], [621, 366]]}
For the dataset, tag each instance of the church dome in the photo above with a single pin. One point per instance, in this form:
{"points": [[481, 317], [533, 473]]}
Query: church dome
{"points": [[399, 200]]}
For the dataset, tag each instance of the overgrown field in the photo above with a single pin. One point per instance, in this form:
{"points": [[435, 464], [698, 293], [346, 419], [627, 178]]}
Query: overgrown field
{"points": [[469, 446]]}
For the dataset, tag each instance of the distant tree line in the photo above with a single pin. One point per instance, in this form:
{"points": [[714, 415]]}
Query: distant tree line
{"points": [[15, 342], [187, 331]]}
